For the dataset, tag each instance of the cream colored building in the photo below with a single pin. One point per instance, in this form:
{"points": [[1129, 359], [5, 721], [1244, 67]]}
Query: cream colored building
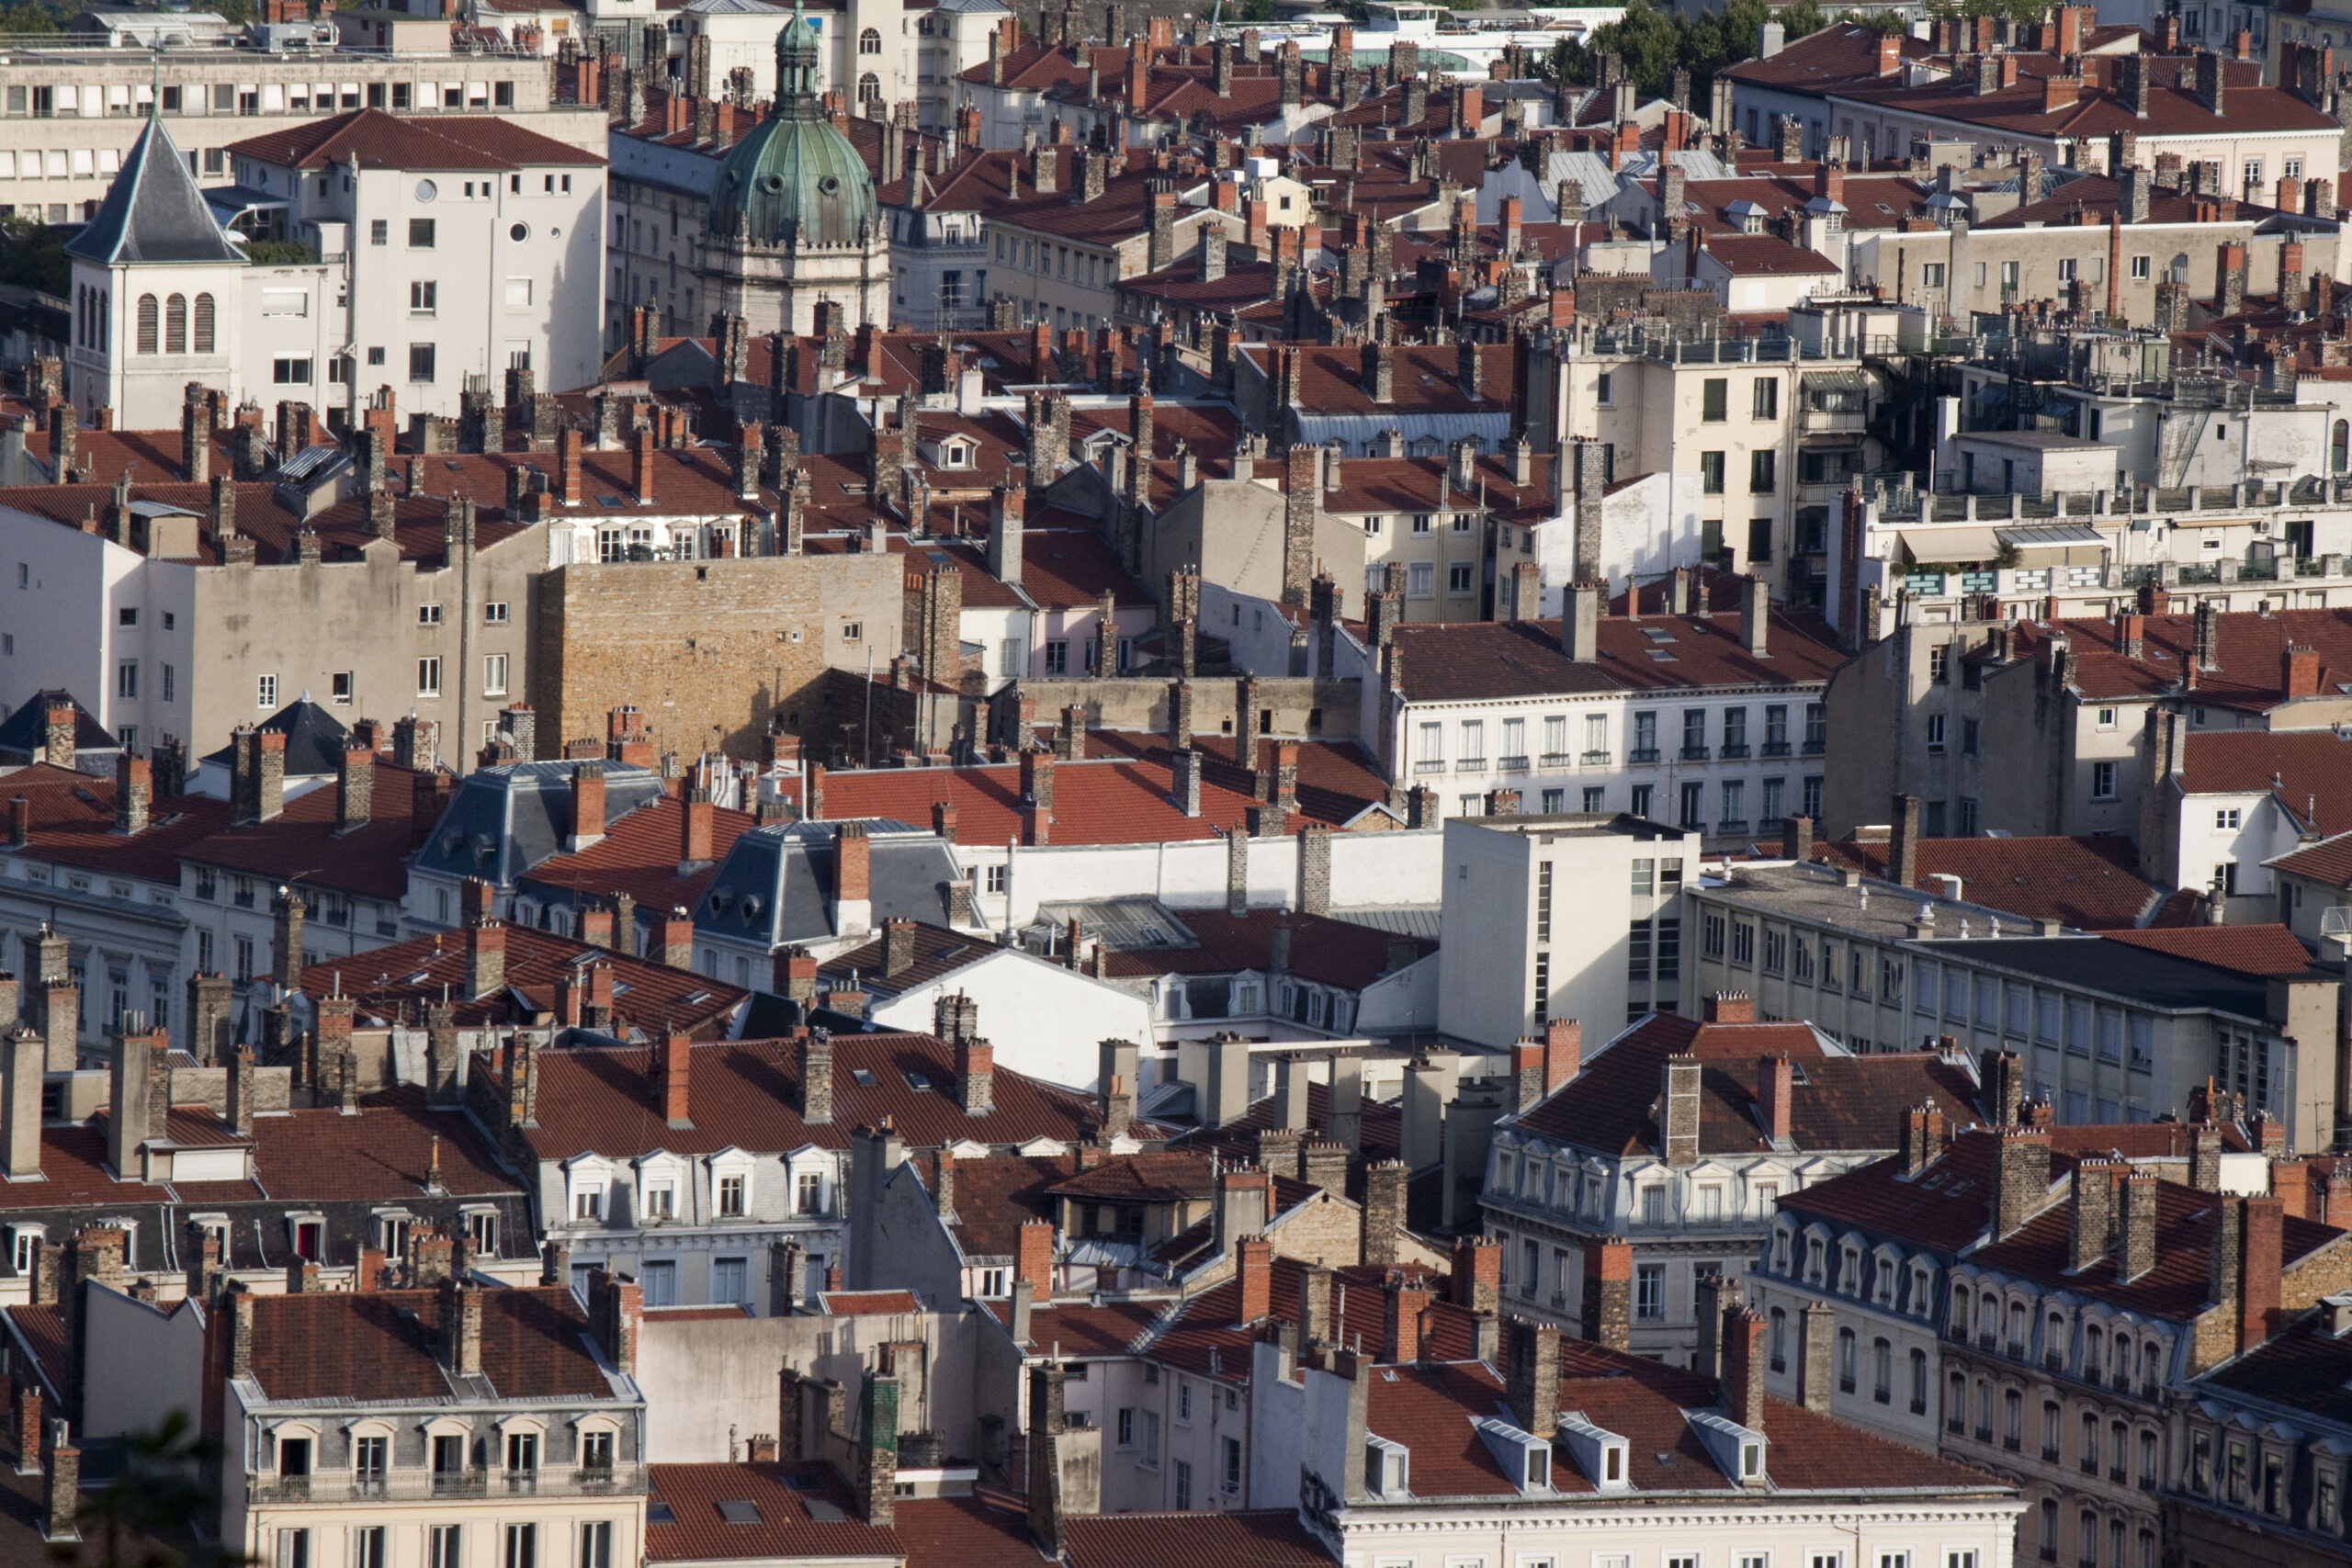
{"points": [[70, 113]]}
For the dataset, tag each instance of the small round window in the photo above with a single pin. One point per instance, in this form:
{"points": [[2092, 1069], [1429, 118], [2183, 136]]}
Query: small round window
{"points": [[772, 184], [426, 190], [831, 185], [519, 233]]}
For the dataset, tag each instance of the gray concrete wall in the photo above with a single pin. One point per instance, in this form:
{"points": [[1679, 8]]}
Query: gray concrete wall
{"points": [[708, 1379]]}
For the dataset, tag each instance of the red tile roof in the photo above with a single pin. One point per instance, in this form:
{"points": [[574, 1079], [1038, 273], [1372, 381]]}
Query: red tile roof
{"points": [[1333, 380], [2250, 950], [1491, 660], [321, 1156], [639, 855], [868, 1304], [2250, 647], [380, 141], [1947, 1206], [2305, 771], [1111, 802], [783, 1525], [2305, 1367], [72, 824], [996, 1196], [1427, 1408], [302, 845], [1078, 1327], [381, 1345], [746, 1093], [1271, 1537], [1765, 256], [2329, 860], [1155, 1177], [2092, 882], [1329, 951], [408, 976], [964, 1532], [1838, 1101]]}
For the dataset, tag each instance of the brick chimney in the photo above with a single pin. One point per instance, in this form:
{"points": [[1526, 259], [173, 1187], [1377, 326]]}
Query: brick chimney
{"points": [[1033, 1256], [1743, 1375], [976, 1076], [1776, 1097], [134, 788], [2020, 1177], [1531, 1376], [1254, 1264], [1903, 843], [816, 1051], [1607, 1317], [1563, 1051], [673, 1061], [853, 898], [641, 466], [693, 832]]}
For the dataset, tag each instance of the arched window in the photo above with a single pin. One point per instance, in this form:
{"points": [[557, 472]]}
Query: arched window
{"points": [[106, 321], [1918, 1383], [175, 324], [1779, 1340], [869, 43], [870, 88], [1882, 1371], [1846, 1361], [204, 324], [82, 315], [147, 331], [2341, 445]]}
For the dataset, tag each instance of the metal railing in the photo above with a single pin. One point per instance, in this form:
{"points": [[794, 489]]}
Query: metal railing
{"points": [[426, 1485]]}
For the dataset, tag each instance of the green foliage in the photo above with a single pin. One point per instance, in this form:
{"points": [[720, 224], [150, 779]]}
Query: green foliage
{"points": [[1654, 43], [159, 1492], [33, 256], [280, 252], [29, 17], [2022, 12], [1257, 10]]}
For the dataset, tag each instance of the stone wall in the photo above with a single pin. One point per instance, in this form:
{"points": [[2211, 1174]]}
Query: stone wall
{"points": [[708, 650]]}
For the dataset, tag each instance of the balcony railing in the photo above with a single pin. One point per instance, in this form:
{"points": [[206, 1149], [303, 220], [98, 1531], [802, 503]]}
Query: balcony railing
{"points": [[1596, 758], [425, 1485], [1734, 751], [1816, 748], [1641, 754], [1514, 764], [1694, 753], [1555, 760], [1773, 748], [1429, 765]]}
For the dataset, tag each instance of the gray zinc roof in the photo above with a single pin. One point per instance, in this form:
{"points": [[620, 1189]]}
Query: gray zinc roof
{"points": [[776, 886], [505, 819], [154, 212]]}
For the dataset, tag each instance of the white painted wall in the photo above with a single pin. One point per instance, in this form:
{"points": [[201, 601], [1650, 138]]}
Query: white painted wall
{"points": [[1044, 1020]]}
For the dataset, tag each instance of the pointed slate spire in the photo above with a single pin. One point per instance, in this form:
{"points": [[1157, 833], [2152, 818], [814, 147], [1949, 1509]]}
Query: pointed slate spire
{"points": [[154, 212]]}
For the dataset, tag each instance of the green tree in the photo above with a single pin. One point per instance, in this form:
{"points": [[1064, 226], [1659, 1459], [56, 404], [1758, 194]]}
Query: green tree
{"points": [[158, 1491], [33, 256]]}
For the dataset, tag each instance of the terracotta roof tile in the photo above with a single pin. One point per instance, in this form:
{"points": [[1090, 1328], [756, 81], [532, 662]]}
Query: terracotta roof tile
{"points": [[381, 1345], [72, 824], [782, 1523], [1158, 1177], [381, 141], [1489, 661], [964, 1532], [2092, 882], [868, 1304], [409, 976], [2250, 950], [303, 844], [1839, 1101], [2304, 770], [639, 855], [2305, 1367], [1271, 1537], [746, 1093]]}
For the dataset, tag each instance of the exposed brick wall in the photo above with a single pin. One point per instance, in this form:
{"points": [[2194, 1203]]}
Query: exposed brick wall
{"points": [[702, 644]]}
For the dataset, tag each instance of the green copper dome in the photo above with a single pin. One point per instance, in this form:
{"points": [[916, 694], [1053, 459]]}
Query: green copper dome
{"points": [[794, 179]]}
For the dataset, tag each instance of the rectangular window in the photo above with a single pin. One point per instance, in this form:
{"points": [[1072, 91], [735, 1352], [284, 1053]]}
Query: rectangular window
{"points": [[1711, 473], [428, 677], [420, 362], [1231, 1481], [730, 1279], [2102, 781], [811, 1193], [1714, 398], [371, 1545], [1649, 1292], [1762, 472], [522, 1546], [420, 233], [1931, 275], [1766, 397], [266, 692], [380, 232], [597, 1544], [294, 1549], [731, 1195], [424, 297], [289, 371], [126, 678]]}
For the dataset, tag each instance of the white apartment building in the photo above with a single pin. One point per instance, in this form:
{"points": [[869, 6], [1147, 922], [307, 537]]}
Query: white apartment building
{"points": [[2109, 1032], [1559, 917], [1769, 428], [436, 253], [72, 109], [1700, 720]]}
